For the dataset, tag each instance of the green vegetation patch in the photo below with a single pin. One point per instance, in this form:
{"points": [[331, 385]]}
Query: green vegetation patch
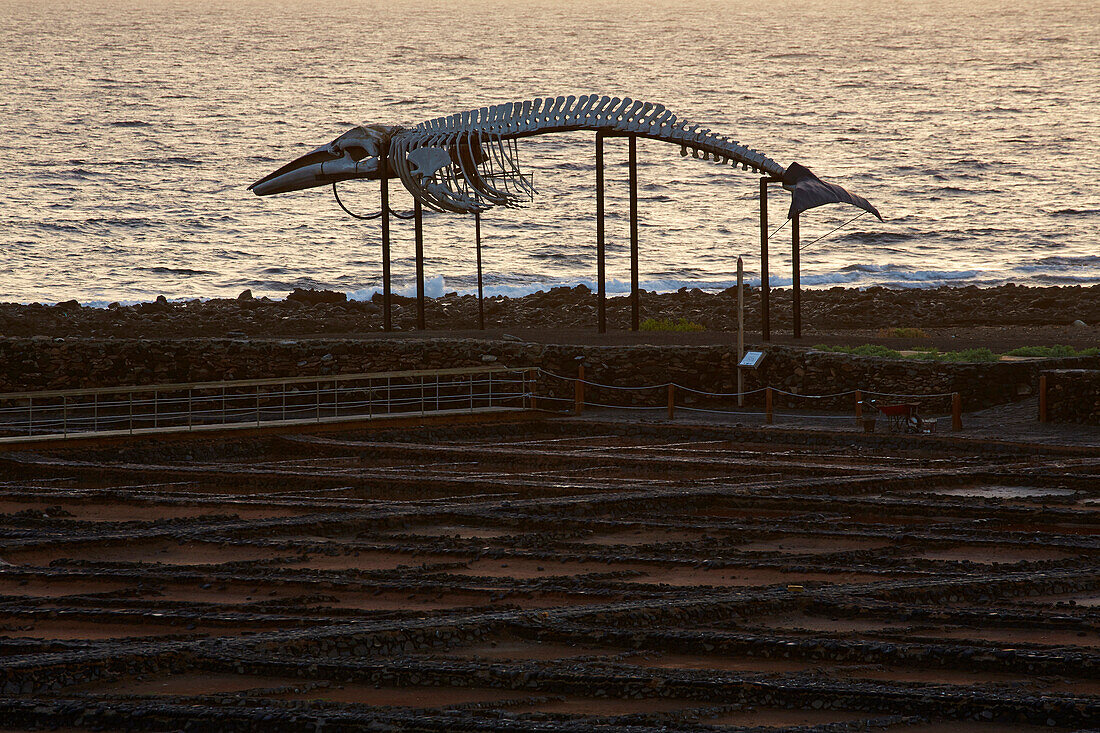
{"points": [[1052, 351], [865, 350], [968, 355], [668, 324], [927, 354]]}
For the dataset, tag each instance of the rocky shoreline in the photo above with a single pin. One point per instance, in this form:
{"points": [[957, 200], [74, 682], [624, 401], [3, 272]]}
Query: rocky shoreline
{"points": [[305, 313]]}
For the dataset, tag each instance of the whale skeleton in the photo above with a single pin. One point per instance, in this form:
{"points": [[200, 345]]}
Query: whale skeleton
{"points": [[468, 162]]}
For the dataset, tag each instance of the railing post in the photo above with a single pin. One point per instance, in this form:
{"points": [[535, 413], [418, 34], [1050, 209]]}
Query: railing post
{"points": [[284, 401], [335, 397], [956, 413], [490, 389], [471, 392], [95, 412], [30, 416], [257, 405], [671, 401], [131, 413], [534, 398], [190, 411], [768, 405], [317, 391], [223, 405], [1042, 398], [578, 390], [423, 409], [65, 415], [859, 404]]}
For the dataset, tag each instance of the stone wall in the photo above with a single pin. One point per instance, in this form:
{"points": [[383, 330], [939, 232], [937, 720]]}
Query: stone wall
{"points": [[40, 363], [1073, 395]]}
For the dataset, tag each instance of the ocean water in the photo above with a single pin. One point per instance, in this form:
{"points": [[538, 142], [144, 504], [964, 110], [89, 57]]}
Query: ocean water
{"points": [[130, 130]]}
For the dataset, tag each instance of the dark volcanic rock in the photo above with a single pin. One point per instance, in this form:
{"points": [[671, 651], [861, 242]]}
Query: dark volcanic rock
{"points": [[306, 312], [313, 297]]}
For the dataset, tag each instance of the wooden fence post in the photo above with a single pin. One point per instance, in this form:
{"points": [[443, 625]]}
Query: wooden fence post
{"points": [[578, 391], [768, 405], [859, 404], [671, 401], [956, 413], [532, 375], [1042, 398]]}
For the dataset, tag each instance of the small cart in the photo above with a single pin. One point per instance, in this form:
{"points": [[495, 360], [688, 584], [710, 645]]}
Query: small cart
{"points": [[903, 418]]}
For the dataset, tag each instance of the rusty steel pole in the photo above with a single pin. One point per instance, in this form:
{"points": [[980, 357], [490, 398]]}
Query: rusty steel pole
{"points": [[601, 262], [796, 280], [765, 316], [480, 293], [418, 213], [635, 306], [384, 190]]}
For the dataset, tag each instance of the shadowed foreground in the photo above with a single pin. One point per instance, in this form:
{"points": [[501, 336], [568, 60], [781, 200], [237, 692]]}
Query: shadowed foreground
{"points": [[552, 575]]}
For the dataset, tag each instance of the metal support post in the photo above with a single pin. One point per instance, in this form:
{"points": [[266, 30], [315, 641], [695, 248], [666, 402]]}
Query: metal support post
{"points": [[418, 212], [601, 260], [740, 331], [384, 188], [796, 280], [765, 316], [480, 292], [634, 300]]}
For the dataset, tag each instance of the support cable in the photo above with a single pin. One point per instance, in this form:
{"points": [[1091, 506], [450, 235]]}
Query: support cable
{"points": [[375, 215], [832, 230]]}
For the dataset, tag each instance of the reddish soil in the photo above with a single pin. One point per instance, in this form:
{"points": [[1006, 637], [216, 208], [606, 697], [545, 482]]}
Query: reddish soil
{"points": [[795, 545], [776, 718], [670, 575], [67, 630], [172, 553], [371, 560], [120, 512], [994, 554]]}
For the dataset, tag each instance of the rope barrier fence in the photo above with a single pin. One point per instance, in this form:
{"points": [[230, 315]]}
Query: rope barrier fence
{"points": [[256, 402], [865, 409]]}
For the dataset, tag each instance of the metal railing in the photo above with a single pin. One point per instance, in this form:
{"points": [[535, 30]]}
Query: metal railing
{"points": [[256, 402]]}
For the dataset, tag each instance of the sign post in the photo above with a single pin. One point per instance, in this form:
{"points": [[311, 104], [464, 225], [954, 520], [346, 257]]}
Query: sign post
{"points": [[740, 330]]}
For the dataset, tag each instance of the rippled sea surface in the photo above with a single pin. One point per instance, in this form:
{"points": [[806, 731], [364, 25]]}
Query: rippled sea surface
{"points": [[130, 131]]}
